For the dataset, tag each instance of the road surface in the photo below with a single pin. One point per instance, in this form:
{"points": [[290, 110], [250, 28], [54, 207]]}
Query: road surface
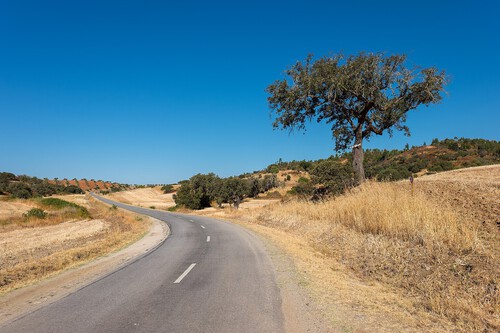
{"points": [[208, 276]]}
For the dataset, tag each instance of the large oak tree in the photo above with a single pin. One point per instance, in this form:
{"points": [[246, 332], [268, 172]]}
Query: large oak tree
{"points": [[359, 95]]}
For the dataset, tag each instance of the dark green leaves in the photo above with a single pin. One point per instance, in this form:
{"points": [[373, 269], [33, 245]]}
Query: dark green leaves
{"points": [[373, 91]]}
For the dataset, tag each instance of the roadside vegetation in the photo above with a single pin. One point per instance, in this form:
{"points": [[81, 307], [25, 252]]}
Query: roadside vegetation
{"points": [[202, 191]]}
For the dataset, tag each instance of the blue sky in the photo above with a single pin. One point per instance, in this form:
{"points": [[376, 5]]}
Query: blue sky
{"points": [[157, 91]]}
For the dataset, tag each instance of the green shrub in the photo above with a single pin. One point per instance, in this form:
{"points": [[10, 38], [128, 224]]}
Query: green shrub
{"points": [[36, 213], [57, 204], [19, 190], [169, 188], [173, 208]]}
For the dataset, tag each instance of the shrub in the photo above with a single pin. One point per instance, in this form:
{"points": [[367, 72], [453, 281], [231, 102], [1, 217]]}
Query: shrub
{"points": [[58, 204], [36, 213], [19, 190], [333, 175], [72, 189], [169, 188]]}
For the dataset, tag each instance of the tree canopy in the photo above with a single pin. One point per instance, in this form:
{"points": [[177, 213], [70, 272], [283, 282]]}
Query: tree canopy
{"points": [[359, 95]]}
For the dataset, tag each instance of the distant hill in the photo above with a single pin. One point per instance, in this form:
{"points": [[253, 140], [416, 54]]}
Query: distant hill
{"points": [[23, 186], [88, 185]]}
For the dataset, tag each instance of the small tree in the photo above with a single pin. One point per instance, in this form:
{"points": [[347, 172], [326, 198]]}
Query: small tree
{"points": [[359, 96]]}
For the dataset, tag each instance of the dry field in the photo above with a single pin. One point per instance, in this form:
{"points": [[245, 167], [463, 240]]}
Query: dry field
{"points": [[145, 197], [384, 258], [33, 249]]}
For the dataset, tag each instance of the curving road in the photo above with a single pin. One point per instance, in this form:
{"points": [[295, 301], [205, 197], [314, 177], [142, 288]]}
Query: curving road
{"points": [[208, 276]]}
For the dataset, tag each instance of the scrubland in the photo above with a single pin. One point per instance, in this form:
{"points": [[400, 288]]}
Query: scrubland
{"points": [[435, 246]]}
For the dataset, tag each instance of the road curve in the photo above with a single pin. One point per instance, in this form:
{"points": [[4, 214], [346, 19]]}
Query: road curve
{"points": [[208, 276]]}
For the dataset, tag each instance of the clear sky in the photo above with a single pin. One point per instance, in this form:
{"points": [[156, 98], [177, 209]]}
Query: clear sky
{"points": [[157, 91]]}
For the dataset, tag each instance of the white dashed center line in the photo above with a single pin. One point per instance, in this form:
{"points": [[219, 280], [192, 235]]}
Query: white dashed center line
{"points": [[186, 272], [208, 238], [202, 226]]}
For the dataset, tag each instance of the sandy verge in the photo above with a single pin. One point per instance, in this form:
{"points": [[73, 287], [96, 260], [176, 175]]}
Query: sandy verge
{"points": [[25, 300]]}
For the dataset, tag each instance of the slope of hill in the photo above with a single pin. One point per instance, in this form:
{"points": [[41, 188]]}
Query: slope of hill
{"points": [[22, 186], [447, 154], [384, 257]]}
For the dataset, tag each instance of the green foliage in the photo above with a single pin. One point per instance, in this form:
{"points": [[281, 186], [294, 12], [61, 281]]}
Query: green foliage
{"points": [[19, 190], [169, 188], [274, 169], [173, 208], [58, 204], [394, 173], [36, 213], [333, 175], [5, 179], [44, 189], [359, 96], [201, 191], [72, 189], [198, 192], [303, 189]]}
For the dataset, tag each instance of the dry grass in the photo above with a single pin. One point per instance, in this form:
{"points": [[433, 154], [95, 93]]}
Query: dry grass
{"points": [[145, 197], [31, 254], [427, 251]]}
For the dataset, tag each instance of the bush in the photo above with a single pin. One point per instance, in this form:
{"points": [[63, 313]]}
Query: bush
{"points": [[58, 204], [333, 175], [36, 213], [72, 189], [19, 190], [44, 189], [169, 188]]}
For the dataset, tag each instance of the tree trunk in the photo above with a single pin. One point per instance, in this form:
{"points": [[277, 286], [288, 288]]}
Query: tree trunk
{"points": [[358, 156]]}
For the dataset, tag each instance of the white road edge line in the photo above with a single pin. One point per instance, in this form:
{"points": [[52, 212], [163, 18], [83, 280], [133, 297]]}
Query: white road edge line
{"points": [[186, 272], [208, 238], [202, 226]]}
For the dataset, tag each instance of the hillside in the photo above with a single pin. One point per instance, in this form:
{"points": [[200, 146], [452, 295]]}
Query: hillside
{"points": [[447, 154], [386, 258], [23, 186]]}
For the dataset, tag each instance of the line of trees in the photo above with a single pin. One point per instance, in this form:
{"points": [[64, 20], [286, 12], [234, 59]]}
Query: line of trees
{"points": [[203, 190], [25, 187]]}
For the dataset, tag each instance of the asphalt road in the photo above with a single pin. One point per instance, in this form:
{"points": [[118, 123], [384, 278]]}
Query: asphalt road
{"points": [[208, 276]]}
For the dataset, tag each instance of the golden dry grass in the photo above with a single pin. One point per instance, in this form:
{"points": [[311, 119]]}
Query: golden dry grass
{"points": [[54, 246], [426, 250], [145, 197]]}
